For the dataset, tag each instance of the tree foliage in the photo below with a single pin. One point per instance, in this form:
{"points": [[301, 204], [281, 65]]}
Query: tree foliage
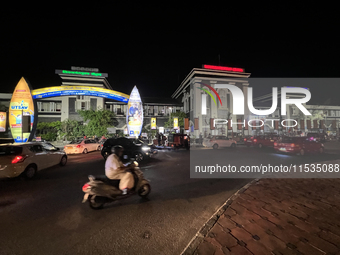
{"points": [[180, 116], [98, 121]]}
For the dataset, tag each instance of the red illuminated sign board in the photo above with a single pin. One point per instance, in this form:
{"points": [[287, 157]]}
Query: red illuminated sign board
{"points": [[224, 68]]}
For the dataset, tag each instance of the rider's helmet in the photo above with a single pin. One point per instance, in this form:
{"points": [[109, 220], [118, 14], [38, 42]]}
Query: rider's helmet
{"points": [[116, 149]]}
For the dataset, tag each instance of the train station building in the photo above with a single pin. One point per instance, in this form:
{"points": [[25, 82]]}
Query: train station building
{"points": [[60, 108], [207, 101]]}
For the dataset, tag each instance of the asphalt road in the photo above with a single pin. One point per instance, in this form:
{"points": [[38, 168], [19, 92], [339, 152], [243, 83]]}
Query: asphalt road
{"points": [[242, 156], [46, 216]]}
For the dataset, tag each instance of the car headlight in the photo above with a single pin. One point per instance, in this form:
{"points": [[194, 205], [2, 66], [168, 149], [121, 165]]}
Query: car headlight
{"points": [[145, 148]]}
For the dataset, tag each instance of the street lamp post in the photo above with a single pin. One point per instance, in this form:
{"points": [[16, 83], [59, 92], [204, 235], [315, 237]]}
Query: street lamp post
{"points": [[170, 118]]}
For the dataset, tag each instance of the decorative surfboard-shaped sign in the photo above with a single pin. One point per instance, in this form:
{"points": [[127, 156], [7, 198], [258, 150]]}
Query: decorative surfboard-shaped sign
{"points": [[134, 116], [21, 105]]}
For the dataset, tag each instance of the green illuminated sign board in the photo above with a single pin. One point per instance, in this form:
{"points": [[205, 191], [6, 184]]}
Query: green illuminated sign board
{"points": [[81, 73]]}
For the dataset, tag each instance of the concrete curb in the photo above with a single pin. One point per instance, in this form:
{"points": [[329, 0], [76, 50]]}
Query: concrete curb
{"points": [[198, 238]]}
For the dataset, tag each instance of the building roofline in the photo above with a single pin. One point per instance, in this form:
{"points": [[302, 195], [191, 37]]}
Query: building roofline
{"points": [[201, 71]]}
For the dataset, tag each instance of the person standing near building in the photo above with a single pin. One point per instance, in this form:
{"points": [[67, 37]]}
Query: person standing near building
{"points": [[201, 139], [164, 139], [159, 139]]}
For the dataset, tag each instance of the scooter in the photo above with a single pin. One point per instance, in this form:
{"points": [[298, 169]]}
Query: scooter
{"points": [[101, 190]]}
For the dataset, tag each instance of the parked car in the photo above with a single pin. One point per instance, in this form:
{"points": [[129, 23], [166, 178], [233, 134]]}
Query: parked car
{"points": [[82, 146], [245, 139], [28, 158], [133, 148], [298, 145], [262, 141], [319, 137], [6, 140], [219, 141]]}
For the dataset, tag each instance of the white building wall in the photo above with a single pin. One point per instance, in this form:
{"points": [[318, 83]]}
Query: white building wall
{"points": [[64, 108]]}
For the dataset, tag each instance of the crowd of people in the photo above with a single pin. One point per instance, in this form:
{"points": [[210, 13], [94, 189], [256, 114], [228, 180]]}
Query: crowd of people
{"points": [[162, 139]]}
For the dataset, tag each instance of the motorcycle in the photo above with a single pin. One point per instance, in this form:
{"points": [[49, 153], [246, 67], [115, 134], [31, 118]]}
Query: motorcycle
{"points": [[101, 190]]}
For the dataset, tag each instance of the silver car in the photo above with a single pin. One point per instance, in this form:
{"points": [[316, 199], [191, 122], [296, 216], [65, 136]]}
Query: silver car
{"points": [[28, 158], [219, 141]]}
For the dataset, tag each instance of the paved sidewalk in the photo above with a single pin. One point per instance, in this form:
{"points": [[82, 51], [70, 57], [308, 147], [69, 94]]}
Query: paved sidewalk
{"points": [[278, 216]]}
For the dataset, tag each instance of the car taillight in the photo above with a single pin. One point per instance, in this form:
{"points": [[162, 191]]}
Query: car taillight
{"points": [[275, 144], [292, 145], [255, 140], [78, 146], [18, 159], [86, 186], [245, 139]]}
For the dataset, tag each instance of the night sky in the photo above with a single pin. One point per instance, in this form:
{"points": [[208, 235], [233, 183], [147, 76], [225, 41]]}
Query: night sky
{"points": [[156, 46]]}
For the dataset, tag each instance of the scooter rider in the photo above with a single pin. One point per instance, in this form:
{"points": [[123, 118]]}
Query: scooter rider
{"points": [[114, 169]]}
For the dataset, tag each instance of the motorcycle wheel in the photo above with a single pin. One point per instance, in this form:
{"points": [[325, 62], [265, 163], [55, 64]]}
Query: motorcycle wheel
{"points": [[93, 204], [144, 190]]}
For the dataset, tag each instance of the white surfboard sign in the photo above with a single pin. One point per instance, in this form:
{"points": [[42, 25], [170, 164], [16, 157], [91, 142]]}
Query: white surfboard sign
{"points": [[134, 116]]}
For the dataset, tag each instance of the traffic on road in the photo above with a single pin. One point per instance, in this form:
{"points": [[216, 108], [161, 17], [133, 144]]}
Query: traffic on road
{"points": [[54, 205]]}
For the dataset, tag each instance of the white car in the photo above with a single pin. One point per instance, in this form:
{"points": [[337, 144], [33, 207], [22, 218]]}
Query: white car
{"points": [[82, 146], [28, 158], [219, 141]]}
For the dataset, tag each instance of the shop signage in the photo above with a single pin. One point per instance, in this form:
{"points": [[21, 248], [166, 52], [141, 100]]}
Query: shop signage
{"points": [[3, 118], [134, 116], [21, 105], [79, 90], [153, 123], [175, 123]]}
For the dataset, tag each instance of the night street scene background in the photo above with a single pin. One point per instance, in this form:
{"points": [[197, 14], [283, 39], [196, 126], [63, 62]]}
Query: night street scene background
{"points": [[154, 46]]}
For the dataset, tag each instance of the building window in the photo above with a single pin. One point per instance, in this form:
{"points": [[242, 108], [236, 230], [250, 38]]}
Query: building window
{"points": [[83, 106], [151, 110], [81, 97], [58, 107], [52, 106], [191, 100], [161, 110], [228, 101], [45, 107], [39, 106], [120, 109]]}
